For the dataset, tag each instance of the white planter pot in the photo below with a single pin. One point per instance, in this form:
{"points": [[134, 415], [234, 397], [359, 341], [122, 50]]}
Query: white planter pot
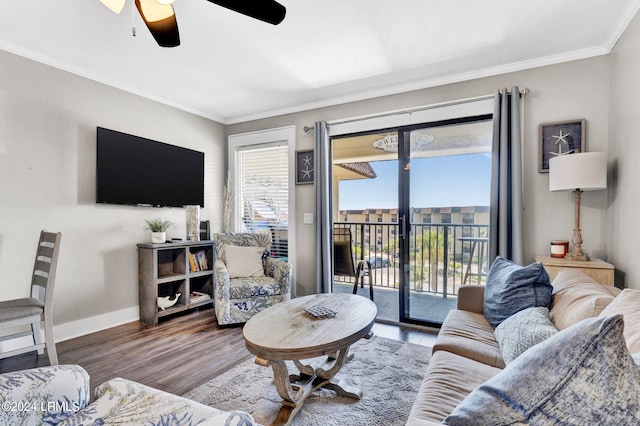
{"points": [[158, 237]]}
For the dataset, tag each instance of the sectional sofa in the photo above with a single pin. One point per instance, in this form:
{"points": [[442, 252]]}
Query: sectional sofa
{"points": [[570, 364]]}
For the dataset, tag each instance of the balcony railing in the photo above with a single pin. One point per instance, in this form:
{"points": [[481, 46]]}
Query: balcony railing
{"points": [[441, 256]]}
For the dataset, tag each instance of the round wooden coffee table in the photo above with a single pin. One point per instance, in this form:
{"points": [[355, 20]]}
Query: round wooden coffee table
{"points": [[285, 331]]}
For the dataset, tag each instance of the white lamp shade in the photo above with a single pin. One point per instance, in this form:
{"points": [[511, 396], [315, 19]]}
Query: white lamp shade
{"points": [[586, 171]]}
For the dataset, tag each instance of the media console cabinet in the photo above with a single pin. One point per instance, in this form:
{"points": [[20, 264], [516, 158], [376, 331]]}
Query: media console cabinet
{"points": [[167, 269]]}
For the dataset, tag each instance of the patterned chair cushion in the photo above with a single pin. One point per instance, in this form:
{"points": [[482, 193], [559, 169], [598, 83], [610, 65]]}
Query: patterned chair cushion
{"points": [[120, 401], [240, 288]]}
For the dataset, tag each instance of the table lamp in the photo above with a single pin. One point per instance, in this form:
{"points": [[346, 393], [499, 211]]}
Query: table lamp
{"points": [[586, 171]]}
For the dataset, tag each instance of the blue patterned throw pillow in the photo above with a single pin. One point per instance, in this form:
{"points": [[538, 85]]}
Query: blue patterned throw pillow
{"points": [[584, 375], [511, 288]]}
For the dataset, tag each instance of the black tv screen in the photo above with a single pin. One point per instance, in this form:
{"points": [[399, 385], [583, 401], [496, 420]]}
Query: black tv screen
{"points": [[139, 171]]}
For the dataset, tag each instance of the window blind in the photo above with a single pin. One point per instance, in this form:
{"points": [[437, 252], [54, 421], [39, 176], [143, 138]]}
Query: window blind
{"points": [[263, 175]]}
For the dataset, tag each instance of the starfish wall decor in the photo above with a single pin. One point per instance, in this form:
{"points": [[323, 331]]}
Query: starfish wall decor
{"points": [[563, 138]]}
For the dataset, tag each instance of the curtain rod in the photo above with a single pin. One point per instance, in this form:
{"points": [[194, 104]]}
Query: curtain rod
{"points": [[523, 92]]}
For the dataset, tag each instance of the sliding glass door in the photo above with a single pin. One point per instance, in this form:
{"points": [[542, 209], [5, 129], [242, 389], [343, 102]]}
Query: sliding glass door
{"points": [[444, 179], [415, 198]]}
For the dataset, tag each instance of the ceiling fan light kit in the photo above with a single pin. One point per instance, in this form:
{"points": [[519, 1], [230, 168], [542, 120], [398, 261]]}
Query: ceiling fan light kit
{"points": [[161, 22], [160, 17], [115, 5]]}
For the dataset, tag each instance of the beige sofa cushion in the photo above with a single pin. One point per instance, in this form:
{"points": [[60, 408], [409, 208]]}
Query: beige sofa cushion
{"points": [[470, 335], [577, 296], [627, 303], [449, 379]]}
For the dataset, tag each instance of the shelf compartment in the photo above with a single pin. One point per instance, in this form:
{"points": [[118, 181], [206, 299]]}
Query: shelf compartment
{"points": [[201, 289], [170, 289], [171, 262], [205, 264]]}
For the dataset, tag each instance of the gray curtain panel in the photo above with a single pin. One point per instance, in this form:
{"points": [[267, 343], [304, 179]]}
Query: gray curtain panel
{"points": [[506, 178], [322, 230]]}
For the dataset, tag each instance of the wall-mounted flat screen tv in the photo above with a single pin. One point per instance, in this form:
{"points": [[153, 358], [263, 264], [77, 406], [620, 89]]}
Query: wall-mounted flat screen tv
{"points": [[139, 171]]}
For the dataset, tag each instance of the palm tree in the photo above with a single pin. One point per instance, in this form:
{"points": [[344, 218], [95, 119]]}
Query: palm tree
{"points": [[430, 247], [437, 254]]}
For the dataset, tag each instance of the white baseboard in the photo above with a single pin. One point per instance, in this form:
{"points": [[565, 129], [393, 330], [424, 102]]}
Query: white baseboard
{"points": [[70, 330], [78, 328]]}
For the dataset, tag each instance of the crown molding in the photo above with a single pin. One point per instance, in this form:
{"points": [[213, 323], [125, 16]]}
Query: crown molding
{"points": [[625, 18]]}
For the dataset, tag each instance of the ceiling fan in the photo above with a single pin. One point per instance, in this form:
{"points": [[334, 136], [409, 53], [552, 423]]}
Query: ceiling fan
{"points": [[161, 21]]}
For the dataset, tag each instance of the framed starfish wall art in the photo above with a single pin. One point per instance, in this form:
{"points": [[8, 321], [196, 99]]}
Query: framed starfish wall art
{"points": [[563, 138], [304, 167]]}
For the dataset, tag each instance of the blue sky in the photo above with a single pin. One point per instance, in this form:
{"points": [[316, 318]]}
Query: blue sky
{"points": [[461, 180]]}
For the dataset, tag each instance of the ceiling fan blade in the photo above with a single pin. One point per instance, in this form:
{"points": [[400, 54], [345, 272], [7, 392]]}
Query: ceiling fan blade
{"points": [[161, 21], [265, 10], [115, 5]]}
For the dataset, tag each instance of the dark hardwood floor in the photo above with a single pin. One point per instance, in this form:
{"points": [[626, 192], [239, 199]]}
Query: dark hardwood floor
{"points": [[181, 353]]}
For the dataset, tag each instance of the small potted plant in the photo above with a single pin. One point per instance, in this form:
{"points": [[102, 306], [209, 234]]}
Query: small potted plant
{"points": [[158, 228]]}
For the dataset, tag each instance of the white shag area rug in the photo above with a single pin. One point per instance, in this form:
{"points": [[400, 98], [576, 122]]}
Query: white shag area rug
{"points": [[388, 372]]}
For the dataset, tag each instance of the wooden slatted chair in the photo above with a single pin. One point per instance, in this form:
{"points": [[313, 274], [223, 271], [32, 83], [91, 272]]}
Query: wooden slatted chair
{"points": [[39, 307], [344, 262]]}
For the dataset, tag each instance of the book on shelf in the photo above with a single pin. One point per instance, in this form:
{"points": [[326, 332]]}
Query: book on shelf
{"points": [[193, 263], [198, 296], [201, 260]]}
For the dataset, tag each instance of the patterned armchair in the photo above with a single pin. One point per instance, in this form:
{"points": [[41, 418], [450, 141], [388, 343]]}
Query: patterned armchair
{"points": [[239, 297]]}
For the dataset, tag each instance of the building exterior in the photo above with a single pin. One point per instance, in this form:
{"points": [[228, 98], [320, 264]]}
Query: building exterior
{"points": [[375, 234]]}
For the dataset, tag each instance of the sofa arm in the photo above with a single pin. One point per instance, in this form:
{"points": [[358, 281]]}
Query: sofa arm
{"points": [[281, 271], [45, 395], [471, 298]]}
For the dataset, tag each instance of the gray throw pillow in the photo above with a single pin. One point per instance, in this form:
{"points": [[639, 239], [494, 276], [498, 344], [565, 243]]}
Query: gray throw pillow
{"points": [[523, 330], [511, 288], [584, 375]]}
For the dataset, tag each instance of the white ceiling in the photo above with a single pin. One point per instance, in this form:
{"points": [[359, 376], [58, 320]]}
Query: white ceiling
{"points": [[232, 68]]}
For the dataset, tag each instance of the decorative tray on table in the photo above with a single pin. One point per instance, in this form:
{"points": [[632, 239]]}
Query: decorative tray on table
{"points": [[320, 312]]}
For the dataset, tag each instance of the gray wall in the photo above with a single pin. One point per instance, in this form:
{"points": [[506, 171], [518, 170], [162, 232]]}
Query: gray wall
{"points": [[47, 172], [624, 155], [48, 122], [566, 91]]}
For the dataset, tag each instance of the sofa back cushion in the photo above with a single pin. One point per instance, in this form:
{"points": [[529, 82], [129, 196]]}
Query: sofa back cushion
{"points": [[627, 303], [511, 288], [577, 296]]}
